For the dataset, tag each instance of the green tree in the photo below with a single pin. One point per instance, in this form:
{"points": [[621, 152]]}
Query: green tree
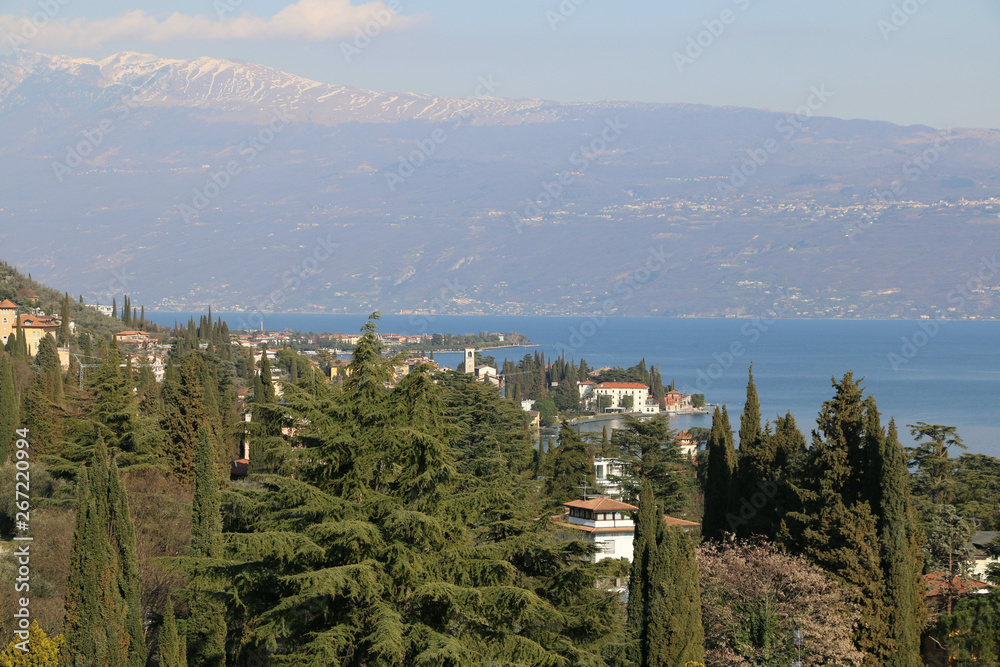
{"points": [[664, 611], [64, 321], [43, 651], [833, 524], [103, 626], [649, 450], [719, 479], [10, 417], [571, 467], [933, 477], [169, 649]]}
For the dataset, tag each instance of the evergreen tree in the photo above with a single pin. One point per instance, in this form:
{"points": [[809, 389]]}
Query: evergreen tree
{"points": [[184, 419], [43, 651], [206, 621], [64, 323], [571, 467], [649, 450], [103, 627], [833, 524], [902, 563], [10, 413], [664, 618], [719, 482], [169, 649]]}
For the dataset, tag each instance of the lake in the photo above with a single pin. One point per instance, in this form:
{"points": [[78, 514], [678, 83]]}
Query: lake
{"points": [[940, 373]]}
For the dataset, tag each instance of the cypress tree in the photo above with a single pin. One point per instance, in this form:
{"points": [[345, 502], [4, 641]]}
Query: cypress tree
{"points": [[103, 626], [64, 324], [207, 619], [170, 646], [664, 617], [10, 413], [185, 416], [718, 486], [206, 517], [902, 560], [114, 308]]}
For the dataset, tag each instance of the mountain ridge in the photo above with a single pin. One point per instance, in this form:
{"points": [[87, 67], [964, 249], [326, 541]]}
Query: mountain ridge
{"points": [[530, 206]]}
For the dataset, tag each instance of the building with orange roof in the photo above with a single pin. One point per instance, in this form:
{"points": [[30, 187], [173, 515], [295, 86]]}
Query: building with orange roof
{"points": [[608, 523], [35, 328]]}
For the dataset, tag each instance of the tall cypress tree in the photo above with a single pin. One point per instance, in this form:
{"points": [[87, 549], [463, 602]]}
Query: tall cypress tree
{"points": [[664, 610], [64, 324], [754, 469], [902, 561], [718, 486], [207, 619], [103, 626], [170, 647], [10, 413]]}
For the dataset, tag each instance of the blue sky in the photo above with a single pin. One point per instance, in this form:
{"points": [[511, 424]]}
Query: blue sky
{"points": [[906, 61]]}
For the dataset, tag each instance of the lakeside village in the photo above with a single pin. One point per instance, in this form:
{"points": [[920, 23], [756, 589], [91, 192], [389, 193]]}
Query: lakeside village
{"points": [[598, 515], [206, 408]]}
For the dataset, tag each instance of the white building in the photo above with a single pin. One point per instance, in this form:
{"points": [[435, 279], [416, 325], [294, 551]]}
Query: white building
{"points": [[585, 388], [619, 391], [604, 521], [604, 472], [610, 524]]}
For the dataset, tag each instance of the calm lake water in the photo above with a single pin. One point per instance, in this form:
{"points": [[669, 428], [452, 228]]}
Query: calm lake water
{"points": [[918, 371]]}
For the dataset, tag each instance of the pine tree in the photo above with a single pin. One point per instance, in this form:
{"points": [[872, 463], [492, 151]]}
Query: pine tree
{"points": [[169, 649], [718, 487], [10, 413]]}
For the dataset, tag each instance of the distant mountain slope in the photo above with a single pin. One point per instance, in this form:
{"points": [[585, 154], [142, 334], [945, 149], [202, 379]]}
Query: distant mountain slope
{"points": [[205, 181]]}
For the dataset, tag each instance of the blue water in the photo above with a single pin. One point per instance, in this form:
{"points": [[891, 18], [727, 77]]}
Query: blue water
{"points": [[942, 374]]}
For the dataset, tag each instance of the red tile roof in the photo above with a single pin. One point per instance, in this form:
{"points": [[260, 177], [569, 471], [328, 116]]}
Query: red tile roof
{"points": [[7, 304], [601, 504]]}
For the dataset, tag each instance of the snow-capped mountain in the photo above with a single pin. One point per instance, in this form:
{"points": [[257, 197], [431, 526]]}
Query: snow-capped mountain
{"points": [[189, 182], [239, 87]]}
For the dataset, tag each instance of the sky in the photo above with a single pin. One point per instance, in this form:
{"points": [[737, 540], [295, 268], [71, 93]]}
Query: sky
{"points": [[932, 62]]}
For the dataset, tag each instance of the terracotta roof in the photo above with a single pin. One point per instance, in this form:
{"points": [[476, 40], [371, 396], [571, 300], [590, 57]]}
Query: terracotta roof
{"points": [[131, 333], [602, 504], [683, 523], [585, 382], [7, 303], [622, 385], [937, 584], [37, 322]]}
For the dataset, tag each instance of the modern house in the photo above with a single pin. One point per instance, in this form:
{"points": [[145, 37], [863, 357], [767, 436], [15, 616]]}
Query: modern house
{"points": [[605, 473]]}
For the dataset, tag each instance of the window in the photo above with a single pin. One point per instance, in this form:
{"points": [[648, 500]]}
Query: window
{"points": [[599, 472], [608, 546]]}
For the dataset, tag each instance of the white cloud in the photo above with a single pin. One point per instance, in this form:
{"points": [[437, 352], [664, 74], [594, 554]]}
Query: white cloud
{"points": [[312, 20]]}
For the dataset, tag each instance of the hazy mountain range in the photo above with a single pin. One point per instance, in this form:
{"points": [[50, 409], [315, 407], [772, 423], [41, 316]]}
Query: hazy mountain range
{"points": [[188, 183]]}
